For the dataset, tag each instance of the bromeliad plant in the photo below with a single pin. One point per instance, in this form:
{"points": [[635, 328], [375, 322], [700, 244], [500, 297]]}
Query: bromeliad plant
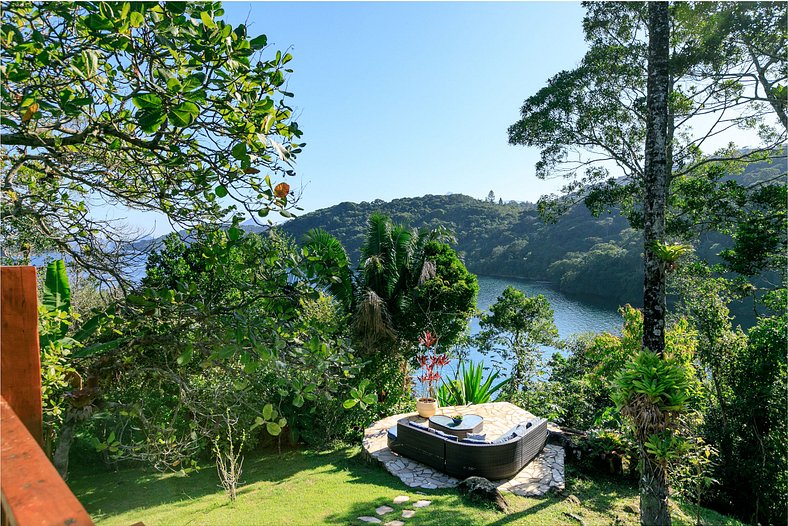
{"points": [[469, 387], [431, 364]]}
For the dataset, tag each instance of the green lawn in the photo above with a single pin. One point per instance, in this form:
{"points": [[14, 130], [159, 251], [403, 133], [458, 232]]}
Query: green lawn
{"points": [[335, 487]]}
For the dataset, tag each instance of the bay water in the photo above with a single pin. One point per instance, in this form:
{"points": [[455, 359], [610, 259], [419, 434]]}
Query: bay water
{"points": [[573, 315]]}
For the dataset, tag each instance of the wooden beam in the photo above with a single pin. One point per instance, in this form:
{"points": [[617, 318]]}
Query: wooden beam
{"points": [[33, 494], [20, 359]]}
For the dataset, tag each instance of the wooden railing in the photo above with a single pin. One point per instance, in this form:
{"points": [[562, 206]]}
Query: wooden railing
{"points": [[33, 493]]}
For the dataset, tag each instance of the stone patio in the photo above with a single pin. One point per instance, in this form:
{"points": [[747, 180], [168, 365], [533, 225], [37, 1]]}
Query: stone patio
{"points": [[543, 473]]}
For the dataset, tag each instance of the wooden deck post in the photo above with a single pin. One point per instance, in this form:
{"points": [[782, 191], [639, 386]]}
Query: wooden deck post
{"points": [[20, 359]]}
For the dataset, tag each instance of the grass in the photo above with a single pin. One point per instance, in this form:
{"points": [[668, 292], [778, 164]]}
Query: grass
{"points": [[336, 487]]}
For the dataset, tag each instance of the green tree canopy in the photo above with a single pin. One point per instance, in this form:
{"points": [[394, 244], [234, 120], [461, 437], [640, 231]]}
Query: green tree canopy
{"points": [[589, 122], [151, 106], [515, 327], [408, 281]]}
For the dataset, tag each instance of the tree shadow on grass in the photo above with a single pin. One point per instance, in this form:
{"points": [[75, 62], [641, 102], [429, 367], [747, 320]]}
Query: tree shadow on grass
{"points": [[107, 493], [448, 507], [513, 518], [600, 493]]}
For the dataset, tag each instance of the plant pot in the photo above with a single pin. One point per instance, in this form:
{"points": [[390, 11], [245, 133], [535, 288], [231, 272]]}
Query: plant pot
{"points": [[426, 407]]}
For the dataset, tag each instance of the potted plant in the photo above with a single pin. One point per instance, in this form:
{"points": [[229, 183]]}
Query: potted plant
{"points": [[431, 364]]}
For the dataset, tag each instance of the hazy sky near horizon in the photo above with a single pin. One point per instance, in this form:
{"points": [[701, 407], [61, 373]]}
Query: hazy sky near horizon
{"points": [[410, 98]]}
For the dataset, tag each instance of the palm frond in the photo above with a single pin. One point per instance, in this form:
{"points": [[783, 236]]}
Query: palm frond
{"points": [[372, 322], [330, 265]]}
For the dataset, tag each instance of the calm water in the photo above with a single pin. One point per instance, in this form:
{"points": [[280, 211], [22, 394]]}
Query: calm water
{"points": [[573, 315]]}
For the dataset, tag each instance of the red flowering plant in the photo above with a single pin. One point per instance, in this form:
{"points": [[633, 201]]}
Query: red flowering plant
{"points": [[431, 364]]}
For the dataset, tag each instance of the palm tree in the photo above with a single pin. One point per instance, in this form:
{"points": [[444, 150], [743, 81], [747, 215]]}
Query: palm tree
{"points": [[328, 264], [393, 264]]}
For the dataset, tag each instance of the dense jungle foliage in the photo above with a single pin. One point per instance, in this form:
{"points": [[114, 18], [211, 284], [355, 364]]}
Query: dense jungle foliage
{"points": [[309, 332]]}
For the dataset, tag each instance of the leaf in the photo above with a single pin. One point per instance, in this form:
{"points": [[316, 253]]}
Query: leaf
{"points": [[268, 411], [281, 190], [234, 233], [98, 348], [97, 22], [258, 42], [280, 151], [239, 151], [173, 84], [220, 191], [273, 428], [207, 20], [184, 114], [186, 356], [91, 60], [298, 401], [31, 110], [89, 327], [136, 19], [57, 292], [370, 398], [349, 403], [147, 101], [193, 81], [150, 120]]}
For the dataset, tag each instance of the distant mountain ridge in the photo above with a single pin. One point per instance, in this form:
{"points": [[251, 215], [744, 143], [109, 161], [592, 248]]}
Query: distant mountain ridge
{"points": [[508, 240], [582, 254]]}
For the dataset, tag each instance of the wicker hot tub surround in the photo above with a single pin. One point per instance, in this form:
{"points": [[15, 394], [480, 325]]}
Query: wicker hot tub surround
{"points": [[435, 462]]}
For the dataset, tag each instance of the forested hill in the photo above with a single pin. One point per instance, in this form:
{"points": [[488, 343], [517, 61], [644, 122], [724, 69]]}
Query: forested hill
{"points": [[583, 254], [588, 255]]}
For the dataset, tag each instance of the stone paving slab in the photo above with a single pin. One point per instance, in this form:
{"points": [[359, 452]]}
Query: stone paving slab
{"points": [[543, 473]]}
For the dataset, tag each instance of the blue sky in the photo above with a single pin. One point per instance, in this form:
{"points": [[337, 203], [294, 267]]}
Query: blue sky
{"points": [[413, 98], [403, 99], [406, 99]]}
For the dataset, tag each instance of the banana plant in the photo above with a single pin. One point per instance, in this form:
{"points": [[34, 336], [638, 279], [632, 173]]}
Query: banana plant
{"points": [[55, 302]]}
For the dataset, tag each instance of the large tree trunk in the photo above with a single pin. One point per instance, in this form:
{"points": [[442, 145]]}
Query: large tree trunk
{"points": [[653, 478], [656, 177]]}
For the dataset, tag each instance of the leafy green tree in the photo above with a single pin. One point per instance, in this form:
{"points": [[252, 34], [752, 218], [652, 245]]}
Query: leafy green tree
{"points": [[152, 106], [227, 321], [514, 328], [593, 118], [753, 36], [745, 416], [408, 281], [631, 103], [753, 463]]}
